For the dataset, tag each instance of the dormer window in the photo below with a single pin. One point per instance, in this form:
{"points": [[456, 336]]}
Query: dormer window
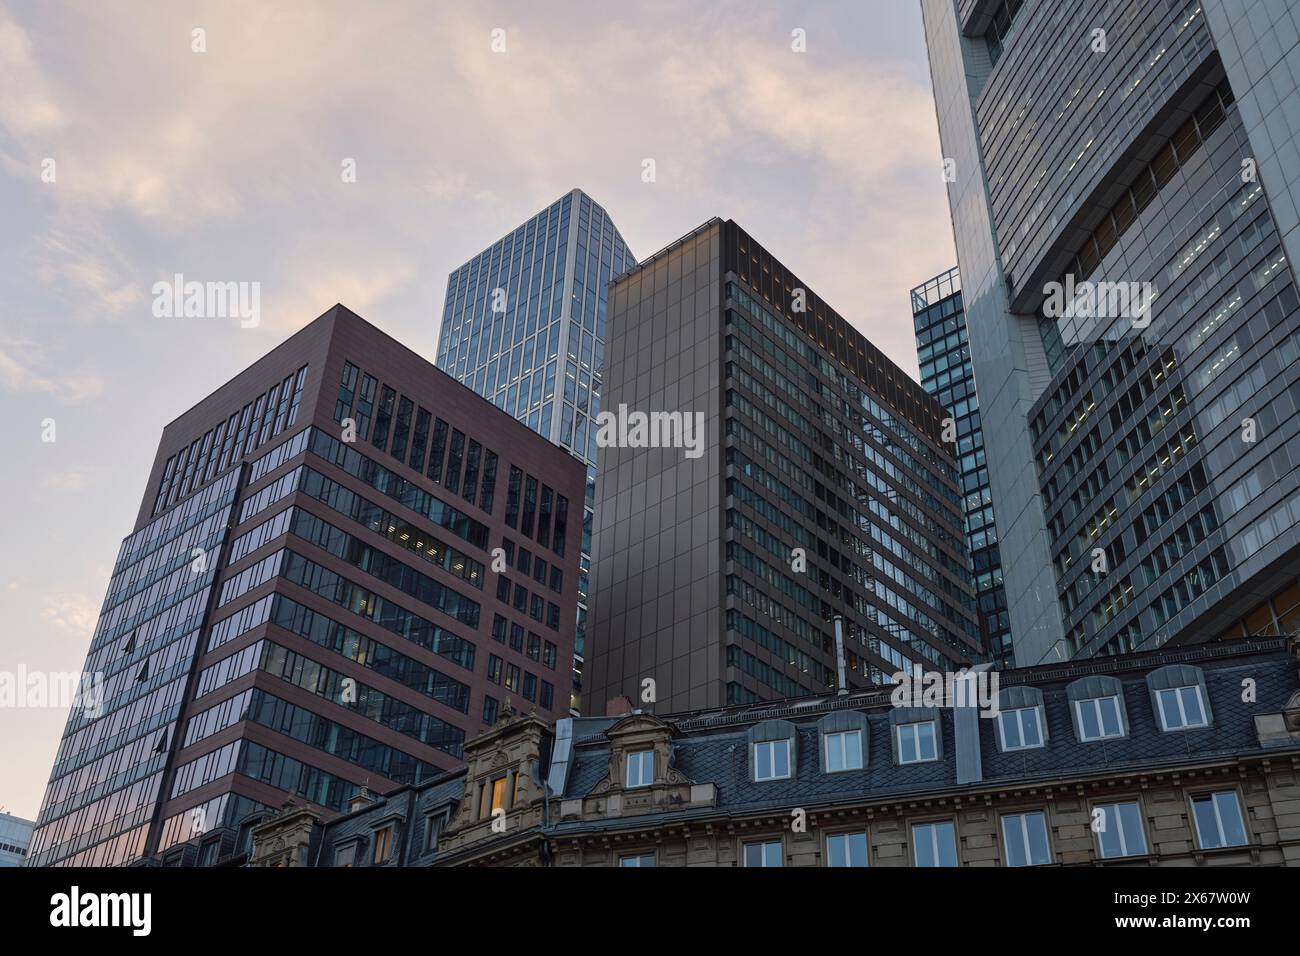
{"points": [[917, 742], [640, 768], [1099, 718], [1021, 729], [1181, 708], [772, 760]]}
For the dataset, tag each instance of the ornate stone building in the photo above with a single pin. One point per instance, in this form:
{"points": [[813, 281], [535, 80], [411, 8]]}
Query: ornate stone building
{"points": [[1186, 756]]}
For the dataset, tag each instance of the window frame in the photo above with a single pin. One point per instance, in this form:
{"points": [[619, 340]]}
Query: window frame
{"points": [[1022, 815], [1142, 828], [934, 843], [639, 762], [838, 834], [1101, 724], [763, 843], [1007, 746], [844, 750], [1177, 692], [789, 764], [638, 856], [1192, 798], [934, 741]]}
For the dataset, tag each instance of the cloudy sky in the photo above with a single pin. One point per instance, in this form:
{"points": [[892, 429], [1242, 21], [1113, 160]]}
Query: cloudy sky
{"points": [[225, 165]]}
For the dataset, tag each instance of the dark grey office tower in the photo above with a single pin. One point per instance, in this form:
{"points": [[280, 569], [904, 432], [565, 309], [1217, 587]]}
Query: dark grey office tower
{"points": [[943, 354], [1144, 460], [818, 485]]}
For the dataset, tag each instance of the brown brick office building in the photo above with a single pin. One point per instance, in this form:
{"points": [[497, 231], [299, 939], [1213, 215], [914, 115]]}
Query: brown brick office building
{"points": [[309, 603]]}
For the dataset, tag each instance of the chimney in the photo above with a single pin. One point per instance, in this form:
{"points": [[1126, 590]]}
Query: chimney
{"points": [[360, 800], [618, 706]]}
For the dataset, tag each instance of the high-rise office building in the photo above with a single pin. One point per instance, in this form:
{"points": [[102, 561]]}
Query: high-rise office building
{"points": [[808, 479], [523, 325], [944, 357], [313, 601], [15, 837], [1124, 182]]}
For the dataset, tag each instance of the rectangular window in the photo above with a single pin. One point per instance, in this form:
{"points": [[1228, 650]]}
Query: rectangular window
{"points": [[843, 751], [469, 488], [534, 646], [488, 493], [437, 448], [916, 742], [641, 768], [345, 855], [1181, 708], [1020, 729], [1218, 820], [530, 505], [454, 456], [547, 697], [557, 579], [1025, 837], [402, 427], [420, 443], [365, 406], [561, 524], [637, 859], [1119, 829], [544, 518], [516, 637], [387, 397], [765, 853], [489, 710], [934, 844], [530, 686], [383, 844], [772, 760], [549, 652], [512, 677], [846, 849], [512, 496], [498, 628], [1098, 718], [347, 385], [494, 669]]}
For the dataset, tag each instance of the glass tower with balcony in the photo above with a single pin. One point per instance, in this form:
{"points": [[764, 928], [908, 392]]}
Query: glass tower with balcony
{"points": [[944, 356], [523, 325], [1141, 456]]}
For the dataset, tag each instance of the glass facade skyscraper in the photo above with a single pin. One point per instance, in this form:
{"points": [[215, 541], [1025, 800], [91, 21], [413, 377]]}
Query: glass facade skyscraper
{"points": [[819, 487], [1141, 450], [308, 603], [944, 357], [523, 325]]}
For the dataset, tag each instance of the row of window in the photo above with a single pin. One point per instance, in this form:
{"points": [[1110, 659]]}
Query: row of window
{"points": [[408, 432], [1118, 827]]}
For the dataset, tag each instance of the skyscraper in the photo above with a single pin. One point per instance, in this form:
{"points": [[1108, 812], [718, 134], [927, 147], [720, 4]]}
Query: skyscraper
{"points": [[15, 835], [1124, 184], [310, 601], [813, 482], [944, 356], [523, 325]]}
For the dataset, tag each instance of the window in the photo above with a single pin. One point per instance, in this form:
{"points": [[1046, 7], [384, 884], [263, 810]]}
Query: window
{"points": [[1099, 718], [846, 849], [1218, 820], [934, 844], [916, 742], [497, 794], [843, 751], [1181, 708], [1020, 728], [1119, 829], [547, 696], [637, 859], [641, 768], [772, 760], [549, 652], [383, 844], [765, 853], [490, 706], [345, 855], [433, 824], [1025, 837]]}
